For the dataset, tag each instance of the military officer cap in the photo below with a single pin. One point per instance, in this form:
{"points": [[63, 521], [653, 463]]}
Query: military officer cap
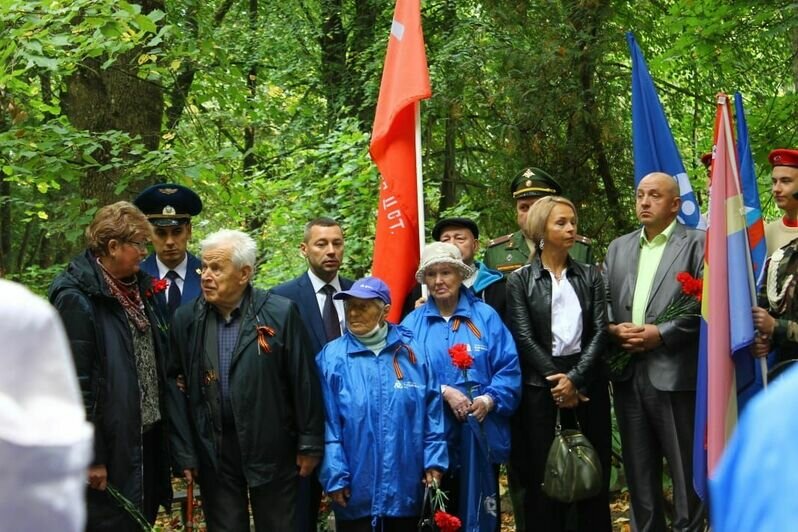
{"points": [[533, 182], [168, 204], [454, 222], [784, 157]]}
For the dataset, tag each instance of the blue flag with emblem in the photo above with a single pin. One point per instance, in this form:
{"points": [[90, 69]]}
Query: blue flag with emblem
{"points": [[652, 140]]}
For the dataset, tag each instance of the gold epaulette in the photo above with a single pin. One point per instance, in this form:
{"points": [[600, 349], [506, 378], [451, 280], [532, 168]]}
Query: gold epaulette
{"points": [[500, 240]]}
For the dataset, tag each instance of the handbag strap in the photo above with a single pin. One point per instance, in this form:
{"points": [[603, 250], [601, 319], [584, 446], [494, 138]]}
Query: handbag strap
{"points": [[423, 508], [558, 424]]}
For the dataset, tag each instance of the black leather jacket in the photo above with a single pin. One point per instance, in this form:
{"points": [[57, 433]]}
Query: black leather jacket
{"points": [[529, 312]]}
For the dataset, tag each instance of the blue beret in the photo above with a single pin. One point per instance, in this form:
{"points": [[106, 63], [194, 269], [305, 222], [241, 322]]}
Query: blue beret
{"points": [[168, 204]]}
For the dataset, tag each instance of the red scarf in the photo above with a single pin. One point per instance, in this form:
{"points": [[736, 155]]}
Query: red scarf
{"points": [[127, 293]]}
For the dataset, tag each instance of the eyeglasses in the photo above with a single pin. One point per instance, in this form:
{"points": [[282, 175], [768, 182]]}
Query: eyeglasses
{"points": [[141, 245]]}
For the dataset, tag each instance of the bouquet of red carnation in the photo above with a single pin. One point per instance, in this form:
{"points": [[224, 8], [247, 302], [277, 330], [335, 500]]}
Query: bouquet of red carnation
{"points": [[462, 361], [687, 304], [447, 522], [158, 286], [438, 519]]}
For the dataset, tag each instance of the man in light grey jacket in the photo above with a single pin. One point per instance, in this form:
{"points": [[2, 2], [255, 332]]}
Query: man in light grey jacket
{"points": [[655, 392]]}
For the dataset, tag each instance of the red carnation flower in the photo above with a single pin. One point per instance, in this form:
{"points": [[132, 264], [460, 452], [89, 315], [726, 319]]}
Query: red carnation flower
{"points": [[460, 357], [159, 285], [447, 522]]}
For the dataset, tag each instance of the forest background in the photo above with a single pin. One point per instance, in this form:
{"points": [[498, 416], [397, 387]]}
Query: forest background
{"points": [[265, 109]]}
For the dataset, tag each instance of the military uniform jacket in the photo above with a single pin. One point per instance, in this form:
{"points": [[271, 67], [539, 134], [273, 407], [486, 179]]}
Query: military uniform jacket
{"points": [[510, 252], [779, 297]]}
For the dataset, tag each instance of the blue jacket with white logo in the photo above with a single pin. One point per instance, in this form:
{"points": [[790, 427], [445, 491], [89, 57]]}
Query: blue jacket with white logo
{"points": [[495, 371], [384, 425]]}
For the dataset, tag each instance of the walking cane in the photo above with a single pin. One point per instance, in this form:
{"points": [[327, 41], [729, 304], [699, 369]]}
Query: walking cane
{"points": [[189, 515]]}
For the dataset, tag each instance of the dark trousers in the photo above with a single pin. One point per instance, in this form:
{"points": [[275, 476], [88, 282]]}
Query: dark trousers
{"points": [[539, 414], [226, 495], [308, 500], [654, 424], [384, 524], [515, 469], [104, 513]]}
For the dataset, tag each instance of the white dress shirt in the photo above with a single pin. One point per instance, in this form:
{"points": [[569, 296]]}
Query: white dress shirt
{"points": [[318, 284], [180, 270]]}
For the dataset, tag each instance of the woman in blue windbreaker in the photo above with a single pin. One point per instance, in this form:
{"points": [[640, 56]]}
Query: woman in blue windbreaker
{"points": [[384, 433], [488, 392]]}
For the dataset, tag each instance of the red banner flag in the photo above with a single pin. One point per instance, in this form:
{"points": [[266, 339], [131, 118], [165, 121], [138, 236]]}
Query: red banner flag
{"points": [[405, 81]]}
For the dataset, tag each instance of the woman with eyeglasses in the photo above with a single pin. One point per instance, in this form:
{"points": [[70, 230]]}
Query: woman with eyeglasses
{"points": [[113, 314]]}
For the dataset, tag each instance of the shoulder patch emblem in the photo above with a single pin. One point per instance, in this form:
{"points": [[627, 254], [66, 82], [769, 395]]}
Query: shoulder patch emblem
{"points": [[500, 240]]}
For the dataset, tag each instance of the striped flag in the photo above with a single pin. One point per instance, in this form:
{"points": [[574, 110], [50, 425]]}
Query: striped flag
{"points": [[727, 299], [652, 140], [395, 147]]}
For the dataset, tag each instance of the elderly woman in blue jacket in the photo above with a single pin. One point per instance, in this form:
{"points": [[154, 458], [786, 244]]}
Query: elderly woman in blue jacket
{"points": [[489, 391], [384, 428]]}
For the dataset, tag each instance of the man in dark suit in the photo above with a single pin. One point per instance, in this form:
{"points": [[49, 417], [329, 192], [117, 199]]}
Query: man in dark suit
{"points": [[323, 247], [169, 208], [655, 392]]}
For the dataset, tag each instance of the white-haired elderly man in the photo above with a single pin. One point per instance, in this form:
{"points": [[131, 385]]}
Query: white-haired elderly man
{"points": [[253, 416]]}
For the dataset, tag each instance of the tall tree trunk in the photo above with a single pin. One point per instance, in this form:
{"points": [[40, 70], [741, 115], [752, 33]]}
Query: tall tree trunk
{"points": [[449, 181], [361, 38], [115, 98], [252, 86], [333, 58], [794, 35], [587, 18], [448, 189], [5, 196]]}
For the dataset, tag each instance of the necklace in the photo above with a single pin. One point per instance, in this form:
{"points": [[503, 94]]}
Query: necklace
{"points": [[556, 275]]}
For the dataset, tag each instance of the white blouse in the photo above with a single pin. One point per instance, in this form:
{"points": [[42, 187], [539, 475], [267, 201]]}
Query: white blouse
{"points": [[566, 318]]}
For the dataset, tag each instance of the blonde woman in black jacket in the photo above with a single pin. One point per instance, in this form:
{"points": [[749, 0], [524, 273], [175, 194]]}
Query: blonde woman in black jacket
{"points": [[558, 318]]}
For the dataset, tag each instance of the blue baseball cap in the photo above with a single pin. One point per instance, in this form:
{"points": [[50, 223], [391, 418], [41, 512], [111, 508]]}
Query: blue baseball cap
{"points": [[367, 288]]}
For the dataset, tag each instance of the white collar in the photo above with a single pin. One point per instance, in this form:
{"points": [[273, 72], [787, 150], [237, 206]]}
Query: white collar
{"points": [[181, 268], [318, 284]]}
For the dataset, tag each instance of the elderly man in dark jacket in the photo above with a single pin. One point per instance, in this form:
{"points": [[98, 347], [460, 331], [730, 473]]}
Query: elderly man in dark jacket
{"points": [[253, 416]]}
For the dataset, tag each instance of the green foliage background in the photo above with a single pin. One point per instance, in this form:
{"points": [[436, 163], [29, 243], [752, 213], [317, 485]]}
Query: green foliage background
{"points": [[273, 127]]}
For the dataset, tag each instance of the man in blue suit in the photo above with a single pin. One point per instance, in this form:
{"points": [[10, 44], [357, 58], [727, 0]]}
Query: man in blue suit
{"points": [[169, 208], [323, 247]]}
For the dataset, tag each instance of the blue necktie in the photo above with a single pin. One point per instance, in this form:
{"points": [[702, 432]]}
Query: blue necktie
{"points": [[174, 292]]}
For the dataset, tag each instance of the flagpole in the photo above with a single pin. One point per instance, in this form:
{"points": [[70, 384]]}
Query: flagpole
{"points": [[735, 170], [420, 193]]}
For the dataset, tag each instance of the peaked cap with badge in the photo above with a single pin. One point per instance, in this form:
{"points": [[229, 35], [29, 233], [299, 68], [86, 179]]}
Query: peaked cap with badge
{"points": [[168, 204], [533, 182], [509, 252]]}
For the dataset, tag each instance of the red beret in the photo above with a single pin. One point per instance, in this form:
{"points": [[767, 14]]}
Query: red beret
{"points": [[784, 157], [706, 159]]}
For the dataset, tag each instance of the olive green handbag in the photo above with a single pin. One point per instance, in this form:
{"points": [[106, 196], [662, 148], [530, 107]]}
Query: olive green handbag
{"points": [[573, 470]]}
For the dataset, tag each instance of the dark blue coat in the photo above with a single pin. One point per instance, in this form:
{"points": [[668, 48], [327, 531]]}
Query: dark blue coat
{"points": [[102, 348], [191, 284], [300, 291]]}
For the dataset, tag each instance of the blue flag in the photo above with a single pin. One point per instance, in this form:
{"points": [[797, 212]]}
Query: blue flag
{"points": [[478, 497], [652, 140], [749, 372]]}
